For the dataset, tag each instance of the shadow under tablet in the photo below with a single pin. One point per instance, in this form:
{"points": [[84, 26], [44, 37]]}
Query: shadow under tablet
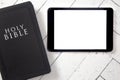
{"points": [[80, 29]]}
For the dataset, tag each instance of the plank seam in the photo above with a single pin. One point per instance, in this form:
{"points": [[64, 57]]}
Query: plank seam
{"points": [[72, 3], [15, 2], [102, 77], [45, 37], [77, 67], [104, 68], [41, 6], [101, 3], [56, 59], [116, 60], [116, 32], [115, 3]]}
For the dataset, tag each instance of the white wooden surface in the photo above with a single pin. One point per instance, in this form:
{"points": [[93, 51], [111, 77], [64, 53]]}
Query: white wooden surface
{"points": [[79, 65]]}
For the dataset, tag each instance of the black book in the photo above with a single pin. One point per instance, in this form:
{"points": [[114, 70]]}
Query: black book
{"points": [[22, 53]]}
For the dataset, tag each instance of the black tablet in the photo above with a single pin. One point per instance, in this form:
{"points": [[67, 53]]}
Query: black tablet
{"points": [[80, 29]]}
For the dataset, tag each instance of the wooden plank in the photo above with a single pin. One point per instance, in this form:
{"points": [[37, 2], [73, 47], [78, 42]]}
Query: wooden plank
{"points": [[87, 3], [65, 65], [116, 52], [116, 8], [0, 77], [42, 14], [117, 2], [91, 67], [112, 71], [36, 3], [5, 3]]}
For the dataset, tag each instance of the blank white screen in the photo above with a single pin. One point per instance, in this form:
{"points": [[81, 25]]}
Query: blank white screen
{"points": [[80, 29]]}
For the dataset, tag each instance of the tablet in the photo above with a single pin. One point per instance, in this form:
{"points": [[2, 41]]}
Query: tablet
{"points": [[80, 29]]}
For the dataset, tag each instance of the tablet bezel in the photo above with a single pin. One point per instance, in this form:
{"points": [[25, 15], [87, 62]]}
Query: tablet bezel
{"points": [[109, 34]]}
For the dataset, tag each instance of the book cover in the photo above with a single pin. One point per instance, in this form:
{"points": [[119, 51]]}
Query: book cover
{"points": [[22, 52]]}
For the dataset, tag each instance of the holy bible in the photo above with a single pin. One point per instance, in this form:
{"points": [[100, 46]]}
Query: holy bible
{"points": [[22, 52]]}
